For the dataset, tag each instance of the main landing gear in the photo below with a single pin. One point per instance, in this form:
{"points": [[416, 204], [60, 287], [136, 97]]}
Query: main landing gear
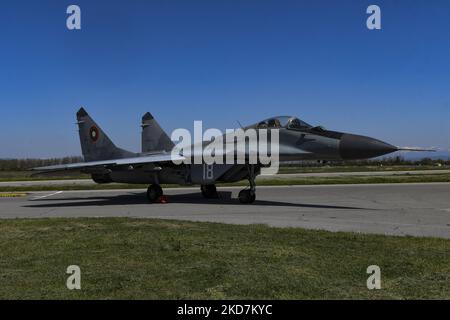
{"points": [[209, 191], [154, 192], [247, 196]]}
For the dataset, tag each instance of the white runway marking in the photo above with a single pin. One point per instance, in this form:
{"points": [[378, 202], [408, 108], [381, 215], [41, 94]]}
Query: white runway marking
{"points": [[47, 195]]}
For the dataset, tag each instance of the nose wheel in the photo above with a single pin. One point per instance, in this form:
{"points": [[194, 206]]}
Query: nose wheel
{"points": [[154, 192], [209, 191], [247, 196]]}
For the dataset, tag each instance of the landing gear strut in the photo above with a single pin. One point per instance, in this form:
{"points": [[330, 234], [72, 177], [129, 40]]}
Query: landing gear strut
{"points": [[249, 195], [154, 192], [209, 191]]}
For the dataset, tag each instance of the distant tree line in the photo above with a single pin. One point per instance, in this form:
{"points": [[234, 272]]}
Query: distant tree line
{"points": [[399, 160], [385, 161], [24, 164]]}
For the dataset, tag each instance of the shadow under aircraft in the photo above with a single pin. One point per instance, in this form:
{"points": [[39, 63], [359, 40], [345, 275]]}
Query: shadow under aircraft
{"points": [[223, 197]]}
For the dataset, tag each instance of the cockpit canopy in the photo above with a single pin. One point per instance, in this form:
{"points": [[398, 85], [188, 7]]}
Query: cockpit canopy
{"points": [[287, 122]]}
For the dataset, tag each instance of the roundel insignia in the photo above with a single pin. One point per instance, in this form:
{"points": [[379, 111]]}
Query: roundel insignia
{"points": [[93, 133]]}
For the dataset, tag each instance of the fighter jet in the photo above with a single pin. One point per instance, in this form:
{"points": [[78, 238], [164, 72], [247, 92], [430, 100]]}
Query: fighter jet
{"points": [[157, 163]]}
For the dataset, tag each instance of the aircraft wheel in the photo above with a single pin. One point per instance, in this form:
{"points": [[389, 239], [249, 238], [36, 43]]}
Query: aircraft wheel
{"points": [[154, 192], [209, 191], [247, 196]]}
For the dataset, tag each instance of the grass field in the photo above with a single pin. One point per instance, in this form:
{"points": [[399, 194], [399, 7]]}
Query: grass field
{"points": [[326, 168], [410, 178], [26, 175], [124, 258]]}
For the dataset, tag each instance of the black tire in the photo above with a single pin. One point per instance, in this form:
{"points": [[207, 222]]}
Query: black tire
{"points": [[209, 191], [154, 192], [247, 196]]}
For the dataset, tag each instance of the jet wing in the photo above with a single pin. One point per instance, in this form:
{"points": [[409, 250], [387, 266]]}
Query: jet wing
{"points": [[105, 164]]}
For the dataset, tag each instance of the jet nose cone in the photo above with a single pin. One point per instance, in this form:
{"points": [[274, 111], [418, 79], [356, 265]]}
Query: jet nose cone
{"points": [[354, 147]]}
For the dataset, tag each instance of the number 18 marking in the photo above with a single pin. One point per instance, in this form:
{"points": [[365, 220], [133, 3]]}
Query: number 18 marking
{"points": [[208, 172]]}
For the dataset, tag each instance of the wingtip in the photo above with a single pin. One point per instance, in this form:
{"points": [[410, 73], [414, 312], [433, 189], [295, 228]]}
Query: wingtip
{"points": [[81, 113]]}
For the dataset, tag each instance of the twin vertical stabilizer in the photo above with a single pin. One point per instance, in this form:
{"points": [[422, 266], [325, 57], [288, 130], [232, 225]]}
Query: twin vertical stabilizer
{"points": [[154, 138], [95, 144]]}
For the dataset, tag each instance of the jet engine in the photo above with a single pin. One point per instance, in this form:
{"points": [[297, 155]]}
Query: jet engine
{"points": [[101, 178]]}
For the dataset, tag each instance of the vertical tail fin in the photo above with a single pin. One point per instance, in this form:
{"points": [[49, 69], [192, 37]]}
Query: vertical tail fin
{"points": [[95, 144], [153, 136]]}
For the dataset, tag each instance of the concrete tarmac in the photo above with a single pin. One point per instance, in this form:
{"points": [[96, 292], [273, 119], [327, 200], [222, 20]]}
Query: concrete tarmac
{"points": [[421, 209]]}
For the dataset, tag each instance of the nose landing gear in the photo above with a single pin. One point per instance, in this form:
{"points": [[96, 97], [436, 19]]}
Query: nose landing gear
{"points": [[154, 192], [247, 196]]}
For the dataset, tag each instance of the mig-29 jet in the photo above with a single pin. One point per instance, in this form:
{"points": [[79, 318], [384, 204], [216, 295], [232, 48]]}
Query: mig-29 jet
{"points": [[157, 164]]}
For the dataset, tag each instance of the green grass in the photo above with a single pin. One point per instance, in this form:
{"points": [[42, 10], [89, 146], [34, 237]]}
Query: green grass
{"points": [[373, 168], [124, 258], [6, 176], [26, 175], [406, 178], [409, 178]]}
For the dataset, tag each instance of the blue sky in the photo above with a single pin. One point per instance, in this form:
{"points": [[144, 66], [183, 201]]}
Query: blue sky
{"points": [[221, 61]]}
